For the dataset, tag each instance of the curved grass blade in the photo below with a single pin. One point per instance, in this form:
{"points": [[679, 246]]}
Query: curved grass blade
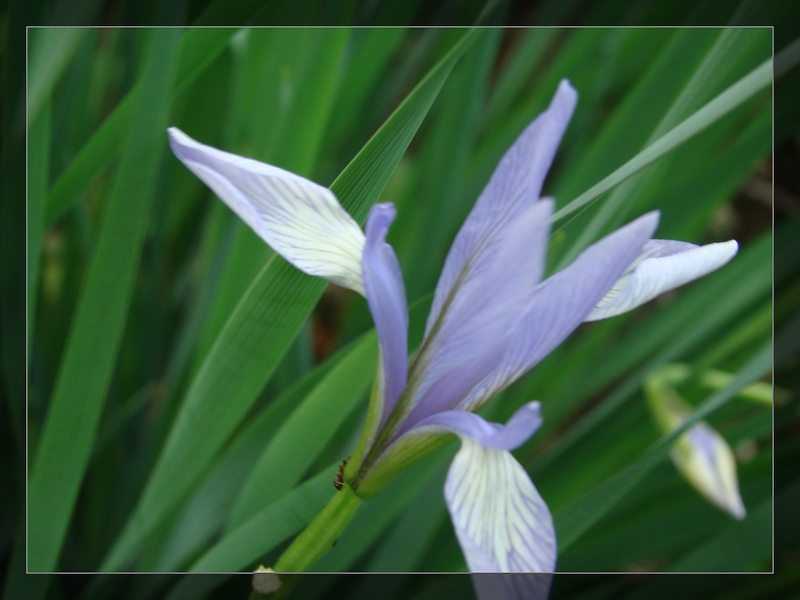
{"points": [[716, 64], [38, 182], [85, 372], [198, 47], [272, 525], [204, 515], [51, 50], [721, 105], [305, 434], [263, 326]]}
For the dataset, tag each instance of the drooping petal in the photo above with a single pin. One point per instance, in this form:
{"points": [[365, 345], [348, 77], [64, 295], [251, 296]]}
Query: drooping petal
{"points": [[521, 426], [560, 303], [515, 185], [663, 265], [512, 586], [300, 220], [500, 520], [706, 460], [386, 297], [472, 333]]}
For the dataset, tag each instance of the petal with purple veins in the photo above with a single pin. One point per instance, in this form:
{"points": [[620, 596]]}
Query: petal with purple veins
{"points": [[300, 220], [514, 186], [500, 520], [560, 303], [469, 339]]}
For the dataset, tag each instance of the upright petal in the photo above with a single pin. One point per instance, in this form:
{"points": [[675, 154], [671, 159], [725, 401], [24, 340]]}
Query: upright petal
{"points": [[386, 297], [514, 186], [662, 266], [486, 304], [501, 521], [300, 220], [560, 303]]}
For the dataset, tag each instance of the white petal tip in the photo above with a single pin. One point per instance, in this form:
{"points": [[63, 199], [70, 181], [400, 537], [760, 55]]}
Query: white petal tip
{"points": [[663, 266]]}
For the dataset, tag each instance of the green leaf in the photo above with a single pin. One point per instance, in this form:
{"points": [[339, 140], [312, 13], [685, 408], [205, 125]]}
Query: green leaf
{"points": [[85, 372], [721, 105], [717, 63], [51, 50], [38, 182], [198, 47], [243, 546], [208, 509], [263, 326], [293, 449]]}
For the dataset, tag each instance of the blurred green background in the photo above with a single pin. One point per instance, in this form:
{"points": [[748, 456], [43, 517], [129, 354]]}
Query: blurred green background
{"points": [[189, 394]]}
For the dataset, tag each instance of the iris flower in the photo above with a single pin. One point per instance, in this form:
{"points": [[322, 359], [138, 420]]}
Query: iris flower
{"points": [[492, 319]]}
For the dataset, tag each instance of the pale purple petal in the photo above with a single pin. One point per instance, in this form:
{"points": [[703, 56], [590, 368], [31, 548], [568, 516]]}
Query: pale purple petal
{"points": [[514, 186], [300, 220], [562, 302], [512, 586], [663, 265], [386, 297], [513, 434], [500, 520], [469, 339]]}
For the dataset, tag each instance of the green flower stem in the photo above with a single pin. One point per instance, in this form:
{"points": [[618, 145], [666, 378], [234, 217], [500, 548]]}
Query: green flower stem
{"points": [[320, 534]]}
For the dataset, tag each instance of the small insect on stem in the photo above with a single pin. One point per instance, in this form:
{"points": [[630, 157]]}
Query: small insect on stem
{"points": [[338, 479]]}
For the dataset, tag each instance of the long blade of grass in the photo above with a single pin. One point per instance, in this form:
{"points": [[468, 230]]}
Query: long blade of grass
{"points": [[293, 449], [85, 373], [209, 507], [198, 47], [714, 66], [270, 526], [263, 326], [38, 182], [51, 51], [725, 102]]}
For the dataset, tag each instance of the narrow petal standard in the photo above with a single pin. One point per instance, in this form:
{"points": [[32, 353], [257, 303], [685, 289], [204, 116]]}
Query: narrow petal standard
{"points": [[386, 297]]}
